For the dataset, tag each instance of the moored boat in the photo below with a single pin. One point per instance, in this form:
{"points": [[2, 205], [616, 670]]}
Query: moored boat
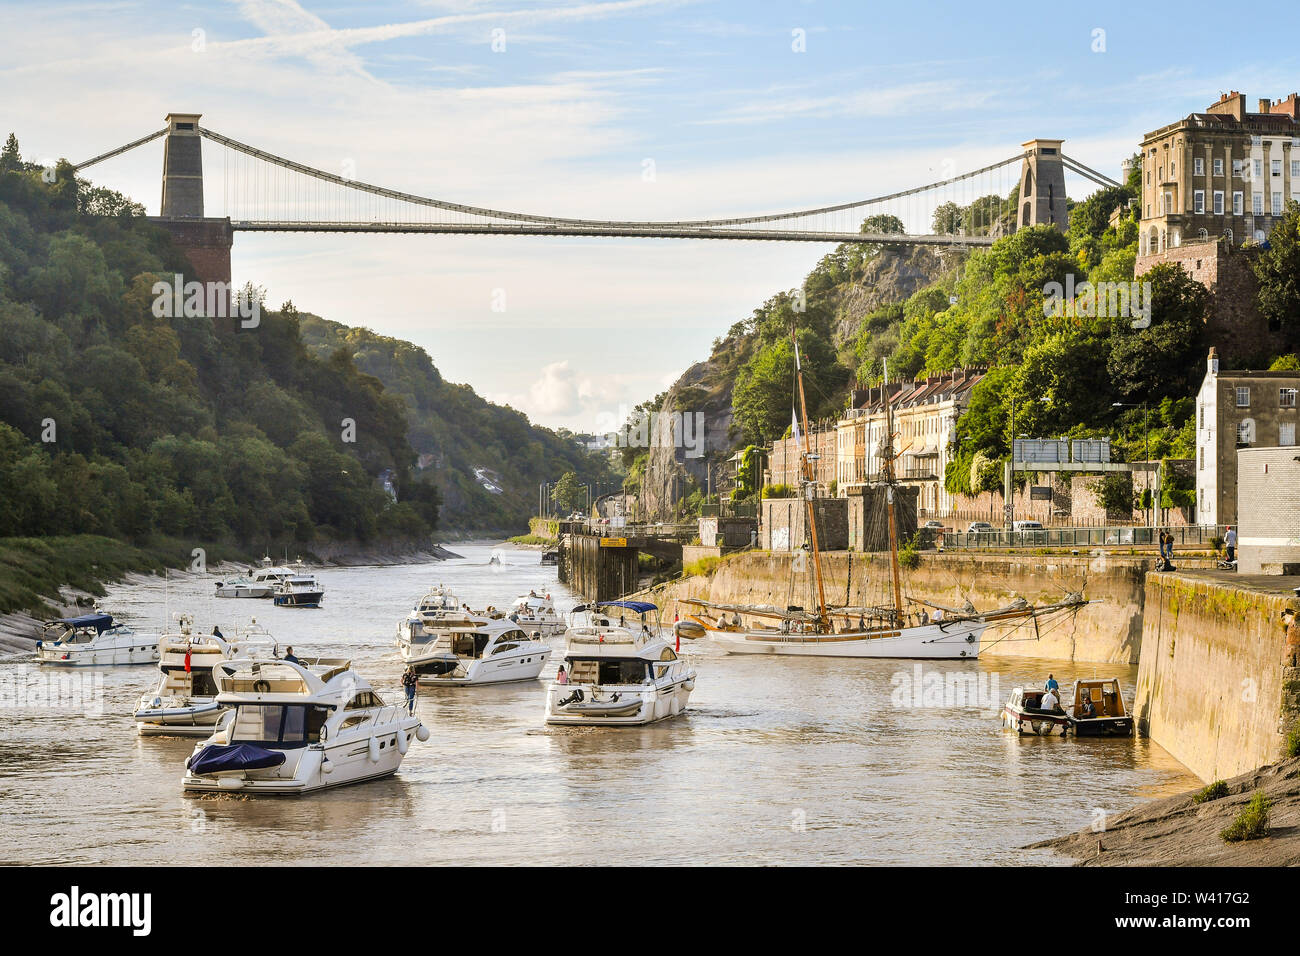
{"points": [[1097, 709], [299, 590], [618, 674], [184, 703], [241, 586], [299, 726], [93, 640], [480, 652], [1024, 713], [536, 613]]}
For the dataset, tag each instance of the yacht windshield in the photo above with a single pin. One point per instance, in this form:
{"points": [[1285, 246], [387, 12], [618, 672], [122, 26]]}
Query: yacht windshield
{"points": [[278, 725]]}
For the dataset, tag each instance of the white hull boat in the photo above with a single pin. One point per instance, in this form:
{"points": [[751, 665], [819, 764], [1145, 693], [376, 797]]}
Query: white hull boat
{"points": [[488, 652], [184, 704], [956, 640], [243, 588], [618, 676], [93, 640], [299, 727]]}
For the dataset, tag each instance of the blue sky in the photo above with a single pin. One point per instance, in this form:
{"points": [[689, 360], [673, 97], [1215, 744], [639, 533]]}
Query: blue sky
{"points": [[413, 96]]}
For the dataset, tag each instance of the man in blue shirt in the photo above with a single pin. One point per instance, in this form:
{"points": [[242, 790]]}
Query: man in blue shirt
{"points": [[1051, 683]]}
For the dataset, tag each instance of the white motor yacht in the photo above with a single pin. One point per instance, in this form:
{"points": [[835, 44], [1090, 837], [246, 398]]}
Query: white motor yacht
{"points": [[298, 590], [242, 586], [184, 704], [93, 640], [299, 726], [270, 575], [438, 610], [535, 613], [618, 674], [481, 652]]}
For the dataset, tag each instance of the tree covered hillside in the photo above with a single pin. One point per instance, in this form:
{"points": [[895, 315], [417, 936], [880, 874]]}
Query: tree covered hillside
{"points": [[114, 421], [462, 434]]}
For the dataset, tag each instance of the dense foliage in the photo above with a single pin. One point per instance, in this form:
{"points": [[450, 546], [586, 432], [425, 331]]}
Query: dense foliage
{"points": [[117, 422], [459, 435]]}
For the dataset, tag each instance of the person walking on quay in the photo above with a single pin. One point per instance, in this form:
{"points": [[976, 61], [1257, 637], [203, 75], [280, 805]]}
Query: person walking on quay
{"points": [[1169, 550], [408, 685], [1164, 556], [1230, 543]]}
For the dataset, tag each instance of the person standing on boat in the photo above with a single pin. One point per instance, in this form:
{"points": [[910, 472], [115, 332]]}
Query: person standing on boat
{"points": [[408, 684], [560, 676], [1051, 684], [216, 632], [288, 656]]}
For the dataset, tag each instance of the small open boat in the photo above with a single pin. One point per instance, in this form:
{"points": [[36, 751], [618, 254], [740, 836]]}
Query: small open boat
{"points": [[1024, 712], [1106, 717]]}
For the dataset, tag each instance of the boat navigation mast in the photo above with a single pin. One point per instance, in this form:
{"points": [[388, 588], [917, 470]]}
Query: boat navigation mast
{"points": [[887, 476], [808, 489]]}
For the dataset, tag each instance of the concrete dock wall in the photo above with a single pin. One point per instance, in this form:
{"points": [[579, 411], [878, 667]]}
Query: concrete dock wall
{"points": [[1215, 677], [1108, 631]]}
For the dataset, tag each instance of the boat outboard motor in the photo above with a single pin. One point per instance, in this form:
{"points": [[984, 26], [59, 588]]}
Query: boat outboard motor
{"points": [[577, 697]]}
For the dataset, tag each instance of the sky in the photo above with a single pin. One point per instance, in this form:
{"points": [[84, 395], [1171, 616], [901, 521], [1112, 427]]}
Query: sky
{"points": [[562, 106]]}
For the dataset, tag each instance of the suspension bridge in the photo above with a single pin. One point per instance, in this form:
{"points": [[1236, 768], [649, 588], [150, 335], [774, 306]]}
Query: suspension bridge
{"points": [[264, 192]]}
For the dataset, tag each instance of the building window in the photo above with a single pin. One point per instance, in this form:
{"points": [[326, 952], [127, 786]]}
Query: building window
{"points": [[1198, 166], [1202, 451], [1277, 204], [1295, 169], [1277, 167], [1238, 206], [1237, 165], [1246, 431], [1286, 397], [1198, 201], [1286, 434], [1259, 168], [1218, 202], [1218, 167], [1257, 203], [1243, 396]]}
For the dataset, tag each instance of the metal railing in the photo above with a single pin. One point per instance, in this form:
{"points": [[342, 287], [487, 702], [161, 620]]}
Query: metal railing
{"points": [[1124, 536]]}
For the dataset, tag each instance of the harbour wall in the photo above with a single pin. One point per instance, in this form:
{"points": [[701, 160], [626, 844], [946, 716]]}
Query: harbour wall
{"points": [[1217, 677], [1109, 630]]}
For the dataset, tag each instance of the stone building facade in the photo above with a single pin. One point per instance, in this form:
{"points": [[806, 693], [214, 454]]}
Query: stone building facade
{"points": [[925, 414], [1225, 173], [1237, 410], [785, 461], [1268, 506]]}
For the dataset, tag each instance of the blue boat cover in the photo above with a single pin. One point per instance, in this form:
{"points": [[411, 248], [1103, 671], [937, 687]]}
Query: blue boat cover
{"points": [[640, 607], [215, 758], [100, 622]]}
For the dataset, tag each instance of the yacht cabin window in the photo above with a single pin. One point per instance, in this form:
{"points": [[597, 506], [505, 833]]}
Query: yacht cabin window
{"points": [[278, 725]]}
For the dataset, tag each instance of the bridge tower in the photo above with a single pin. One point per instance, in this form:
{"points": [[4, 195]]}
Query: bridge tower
{"points": [[205, 241], [1042, 185]]}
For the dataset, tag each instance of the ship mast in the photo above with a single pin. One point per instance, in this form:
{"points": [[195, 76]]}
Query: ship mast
{"points": [[807, 489], [887, 474]]}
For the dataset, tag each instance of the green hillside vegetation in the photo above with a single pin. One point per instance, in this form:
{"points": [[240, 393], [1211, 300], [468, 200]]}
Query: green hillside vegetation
{"points": [[1061, 373], [116, 422], [462, 432]]}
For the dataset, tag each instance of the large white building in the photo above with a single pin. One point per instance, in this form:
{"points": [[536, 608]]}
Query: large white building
{"points": [[1237, 410]]}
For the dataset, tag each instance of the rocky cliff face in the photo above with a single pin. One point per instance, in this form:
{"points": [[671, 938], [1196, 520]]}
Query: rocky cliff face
{"points": [[891, 277], [705, 388]]}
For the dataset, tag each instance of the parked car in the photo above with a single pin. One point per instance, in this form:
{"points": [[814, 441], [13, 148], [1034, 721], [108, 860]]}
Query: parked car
{"points": [[978, 527], [934, 525], [1027, 526]]}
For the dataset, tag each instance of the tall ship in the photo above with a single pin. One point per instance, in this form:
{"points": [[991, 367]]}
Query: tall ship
{"points": [[892, 628]]}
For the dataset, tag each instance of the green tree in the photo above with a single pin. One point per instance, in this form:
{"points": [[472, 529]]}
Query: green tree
{"points": [[1147, 364], [569, 494], [1278, 271], [947, 219], [882, 224], [9, 156]]}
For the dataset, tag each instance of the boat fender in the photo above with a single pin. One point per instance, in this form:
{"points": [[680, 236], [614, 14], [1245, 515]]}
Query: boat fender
{"points": [[230, 783], [403, 742], [422, 733], [327, 765], [374, 750], [689, 684]]}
